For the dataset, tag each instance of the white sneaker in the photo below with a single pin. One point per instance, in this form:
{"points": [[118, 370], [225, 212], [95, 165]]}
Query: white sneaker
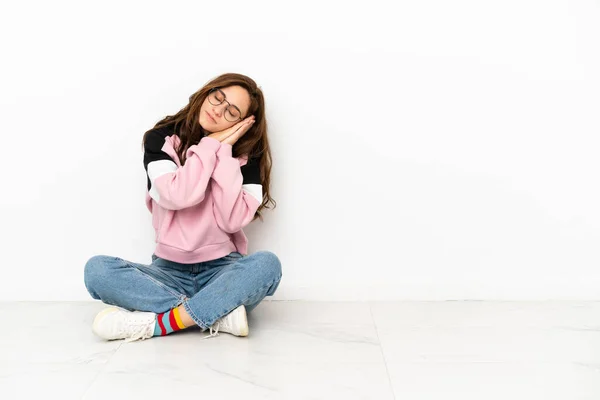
{"points": [[116, 323], [236, 323]]}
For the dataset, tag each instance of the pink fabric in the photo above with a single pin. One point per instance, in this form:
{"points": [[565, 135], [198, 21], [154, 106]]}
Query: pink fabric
{"points": [[202, 206]]}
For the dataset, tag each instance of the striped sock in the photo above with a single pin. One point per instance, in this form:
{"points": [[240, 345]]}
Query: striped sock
{"points": [[168, 322]]}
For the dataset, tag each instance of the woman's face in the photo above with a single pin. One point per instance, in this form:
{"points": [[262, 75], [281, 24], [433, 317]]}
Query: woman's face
{"points": [[236, 96]]}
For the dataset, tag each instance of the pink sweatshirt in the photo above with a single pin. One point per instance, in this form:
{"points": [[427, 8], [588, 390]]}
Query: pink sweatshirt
{"points": [[199, 209]]}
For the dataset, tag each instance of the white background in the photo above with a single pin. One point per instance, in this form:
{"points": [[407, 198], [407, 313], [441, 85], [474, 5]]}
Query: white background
{"points": [[424, 150]]}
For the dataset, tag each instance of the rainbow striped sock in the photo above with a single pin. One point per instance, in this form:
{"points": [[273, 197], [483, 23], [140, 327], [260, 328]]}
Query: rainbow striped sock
{"points": [[168, 322]]}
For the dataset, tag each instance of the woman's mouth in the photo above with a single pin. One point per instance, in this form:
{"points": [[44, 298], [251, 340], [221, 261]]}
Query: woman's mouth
{"points": [[211, 118]]}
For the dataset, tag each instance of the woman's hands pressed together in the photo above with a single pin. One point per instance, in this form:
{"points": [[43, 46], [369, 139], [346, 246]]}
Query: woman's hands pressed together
{"points": [[233, 133]]}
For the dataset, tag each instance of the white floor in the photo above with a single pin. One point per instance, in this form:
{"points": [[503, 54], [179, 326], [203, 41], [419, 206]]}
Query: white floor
{"points": [[314, 350]]}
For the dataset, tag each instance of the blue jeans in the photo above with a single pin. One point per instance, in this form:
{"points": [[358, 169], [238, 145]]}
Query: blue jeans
{"points": [[208, 290]]}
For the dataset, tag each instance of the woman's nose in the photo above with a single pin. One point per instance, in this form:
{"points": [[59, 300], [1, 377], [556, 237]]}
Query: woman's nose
{"points": [[218, 109]]}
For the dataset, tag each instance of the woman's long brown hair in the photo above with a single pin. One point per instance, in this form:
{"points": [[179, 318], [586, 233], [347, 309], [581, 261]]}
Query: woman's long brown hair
{"points": [[253, 143]]}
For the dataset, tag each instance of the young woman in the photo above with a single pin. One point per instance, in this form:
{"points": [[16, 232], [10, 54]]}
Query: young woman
{"points": [[208, 176]]}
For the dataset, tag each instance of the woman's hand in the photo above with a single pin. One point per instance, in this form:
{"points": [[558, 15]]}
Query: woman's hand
{"points": [[233, 133]]}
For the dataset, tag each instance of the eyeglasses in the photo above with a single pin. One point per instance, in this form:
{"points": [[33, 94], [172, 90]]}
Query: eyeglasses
{"points": [[216, 97]]}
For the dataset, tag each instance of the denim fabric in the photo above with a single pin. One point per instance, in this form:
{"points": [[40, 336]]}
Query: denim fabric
{"points": [[208, 290]]}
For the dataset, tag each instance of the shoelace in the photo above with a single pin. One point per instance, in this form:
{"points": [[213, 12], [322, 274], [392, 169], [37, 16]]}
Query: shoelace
{"points": [[137, 331], [216, 326], [215, 333]]}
